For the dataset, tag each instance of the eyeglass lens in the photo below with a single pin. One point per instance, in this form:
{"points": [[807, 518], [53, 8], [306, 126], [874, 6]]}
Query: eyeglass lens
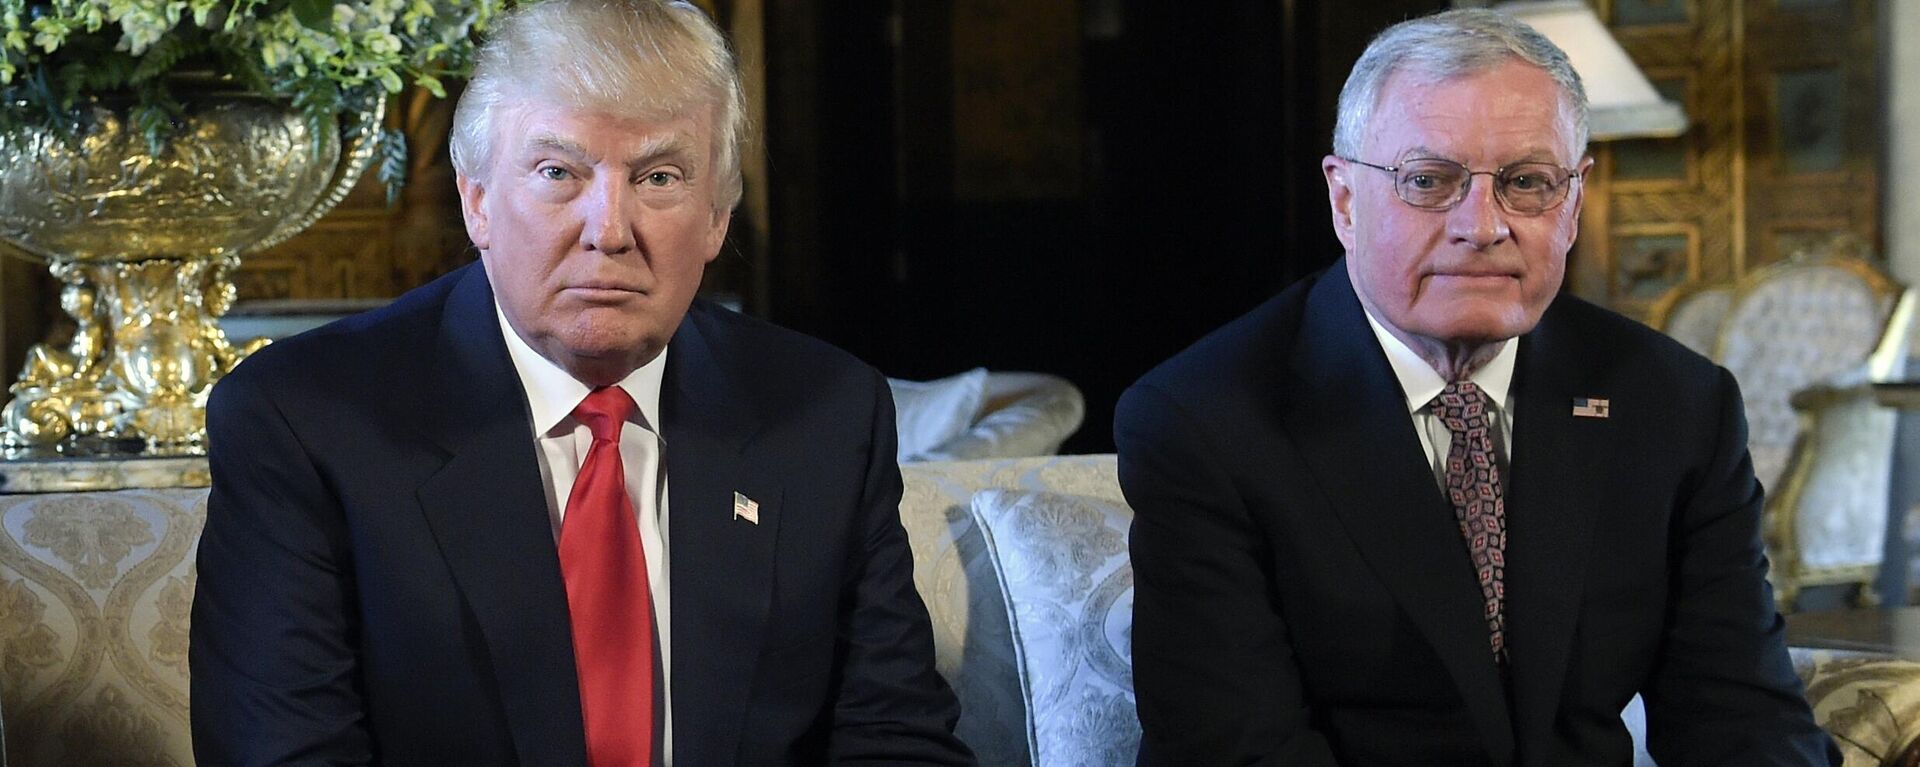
{"points": [[1528, 187]]}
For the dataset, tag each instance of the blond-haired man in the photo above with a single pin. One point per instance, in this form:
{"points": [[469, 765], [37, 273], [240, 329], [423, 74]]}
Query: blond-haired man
{"points": [[552, 509]]}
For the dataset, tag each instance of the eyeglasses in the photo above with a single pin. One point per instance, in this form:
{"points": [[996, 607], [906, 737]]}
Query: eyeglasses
{"points": [[1525, 188]]}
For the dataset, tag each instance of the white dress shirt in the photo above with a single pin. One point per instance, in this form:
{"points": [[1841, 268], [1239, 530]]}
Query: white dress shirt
{"points": [[1422, 383], [552, 394]]}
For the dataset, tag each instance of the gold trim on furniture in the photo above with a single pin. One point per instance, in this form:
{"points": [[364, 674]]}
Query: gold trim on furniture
{"points": [[1790, 573]]}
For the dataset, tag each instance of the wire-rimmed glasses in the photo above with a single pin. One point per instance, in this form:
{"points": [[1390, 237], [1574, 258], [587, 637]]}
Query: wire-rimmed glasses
{"points": [[1526, 188]]}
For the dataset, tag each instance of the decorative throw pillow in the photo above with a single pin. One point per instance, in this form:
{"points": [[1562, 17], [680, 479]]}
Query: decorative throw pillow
{"points": [[928, 413], [1870, 705], [1062, 563]]}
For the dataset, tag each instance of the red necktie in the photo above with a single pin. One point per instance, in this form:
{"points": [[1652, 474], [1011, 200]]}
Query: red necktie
{"points": [[1473, 486], [605, 569]]}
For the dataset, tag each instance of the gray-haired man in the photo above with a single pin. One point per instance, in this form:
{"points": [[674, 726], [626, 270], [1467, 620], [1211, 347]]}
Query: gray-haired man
{"points": [[1422, 510]]}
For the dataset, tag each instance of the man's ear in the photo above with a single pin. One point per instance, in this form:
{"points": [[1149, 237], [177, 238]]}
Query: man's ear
{"points": [[472, 194], [1340, 197], [1584, 170], [717, 235]]}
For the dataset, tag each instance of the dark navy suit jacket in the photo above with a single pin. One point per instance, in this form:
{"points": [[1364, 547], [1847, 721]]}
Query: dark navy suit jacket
{"points": [[1304, 598], [379, 582]]}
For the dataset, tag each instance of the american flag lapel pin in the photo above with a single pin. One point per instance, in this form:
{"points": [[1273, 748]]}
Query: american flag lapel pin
{"points": [[1590, 407], [746, 508]]}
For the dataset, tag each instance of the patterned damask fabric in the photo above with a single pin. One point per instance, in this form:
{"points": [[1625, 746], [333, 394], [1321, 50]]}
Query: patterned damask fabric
{"points": [[1808, 325], [1062, 562], [953, 569], [1870, 705], [95, 591]]}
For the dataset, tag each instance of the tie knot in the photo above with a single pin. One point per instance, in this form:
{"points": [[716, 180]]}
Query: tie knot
{"points": [[1467, 389], [604, 410], [1460, 399]]}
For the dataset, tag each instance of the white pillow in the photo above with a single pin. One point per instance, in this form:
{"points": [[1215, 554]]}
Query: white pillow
{"points": [[928, 413], [1062, 563]]}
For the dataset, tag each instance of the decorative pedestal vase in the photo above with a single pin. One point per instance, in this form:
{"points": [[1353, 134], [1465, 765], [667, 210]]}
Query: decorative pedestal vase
{"points": [[144, 246]]}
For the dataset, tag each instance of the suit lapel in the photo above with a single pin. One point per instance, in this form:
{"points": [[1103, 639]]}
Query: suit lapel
{"points": [[1358, 439], [488, 513], [1559, 471], [722, 567]]}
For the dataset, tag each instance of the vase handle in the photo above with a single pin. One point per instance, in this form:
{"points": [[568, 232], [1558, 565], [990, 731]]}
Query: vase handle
{"points": [[354, 159]]}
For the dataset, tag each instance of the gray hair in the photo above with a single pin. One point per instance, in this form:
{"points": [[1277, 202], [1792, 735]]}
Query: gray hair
{"points": [[1445, 45], [651, 59]]}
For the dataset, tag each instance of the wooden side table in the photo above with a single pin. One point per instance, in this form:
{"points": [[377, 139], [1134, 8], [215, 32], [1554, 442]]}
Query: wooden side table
{"points": [[1893, 632]]}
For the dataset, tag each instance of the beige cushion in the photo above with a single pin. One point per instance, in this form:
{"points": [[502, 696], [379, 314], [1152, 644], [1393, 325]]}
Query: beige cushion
{"points": [[1871, 705]]}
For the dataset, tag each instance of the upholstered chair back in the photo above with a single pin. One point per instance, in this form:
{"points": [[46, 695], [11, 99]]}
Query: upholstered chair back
{"points": [[1693, 315], [1792, 325]]}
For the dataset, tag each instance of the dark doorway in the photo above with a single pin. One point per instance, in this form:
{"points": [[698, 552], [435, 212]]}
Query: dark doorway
{"points": [[1080, 188]]}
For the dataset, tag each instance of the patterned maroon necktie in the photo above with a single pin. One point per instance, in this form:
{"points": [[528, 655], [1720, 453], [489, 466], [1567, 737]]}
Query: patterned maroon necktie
{"points": [[1473, 486]]}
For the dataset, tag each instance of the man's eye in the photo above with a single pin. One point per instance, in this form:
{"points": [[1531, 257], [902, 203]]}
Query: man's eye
{"points": [[555, 173], [1423, 181], [660, 178], [1529, 183]]}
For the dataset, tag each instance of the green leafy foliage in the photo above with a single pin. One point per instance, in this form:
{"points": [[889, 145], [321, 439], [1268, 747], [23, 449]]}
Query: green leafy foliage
{"points": [[393, 163], [324, 57], [167, 54], [313, 14]]}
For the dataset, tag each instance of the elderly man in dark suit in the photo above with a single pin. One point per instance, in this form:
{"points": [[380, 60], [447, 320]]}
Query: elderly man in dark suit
{"points": [[551, 509], [1422, 510]]}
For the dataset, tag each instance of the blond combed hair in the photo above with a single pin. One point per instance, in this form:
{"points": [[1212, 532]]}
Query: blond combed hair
{"points": [[649, 59]]}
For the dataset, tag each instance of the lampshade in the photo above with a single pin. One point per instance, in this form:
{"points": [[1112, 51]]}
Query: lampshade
{"points": [[1622, 104]]}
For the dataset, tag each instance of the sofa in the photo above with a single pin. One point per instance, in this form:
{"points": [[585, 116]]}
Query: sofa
{"points": [[1022, 563]]}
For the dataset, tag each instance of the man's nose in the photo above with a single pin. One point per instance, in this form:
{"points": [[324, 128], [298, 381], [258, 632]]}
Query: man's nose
{"points": [[609, 215], [1479, 220]]}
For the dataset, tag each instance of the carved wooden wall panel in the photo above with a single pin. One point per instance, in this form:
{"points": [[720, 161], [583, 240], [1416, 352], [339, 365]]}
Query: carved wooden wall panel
{"points": [[1782, 149]]}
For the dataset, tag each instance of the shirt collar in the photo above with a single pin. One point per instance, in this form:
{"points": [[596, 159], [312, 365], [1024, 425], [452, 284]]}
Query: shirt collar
{"points": [[552, 393], [1421, 383]]}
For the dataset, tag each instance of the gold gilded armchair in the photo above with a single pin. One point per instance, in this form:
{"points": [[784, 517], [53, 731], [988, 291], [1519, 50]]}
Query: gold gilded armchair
{"points": [[1806, 338], [1691, 313]]}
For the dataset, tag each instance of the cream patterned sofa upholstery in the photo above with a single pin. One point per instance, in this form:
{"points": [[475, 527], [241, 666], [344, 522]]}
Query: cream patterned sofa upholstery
{"points": [[1869, 704], [1049, 682], [96, 588], [95, 591]]}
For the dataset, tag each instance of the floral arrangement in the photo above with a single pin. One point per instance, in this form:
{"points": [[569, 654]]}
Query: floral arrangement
{"points": [[325, 57]]}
